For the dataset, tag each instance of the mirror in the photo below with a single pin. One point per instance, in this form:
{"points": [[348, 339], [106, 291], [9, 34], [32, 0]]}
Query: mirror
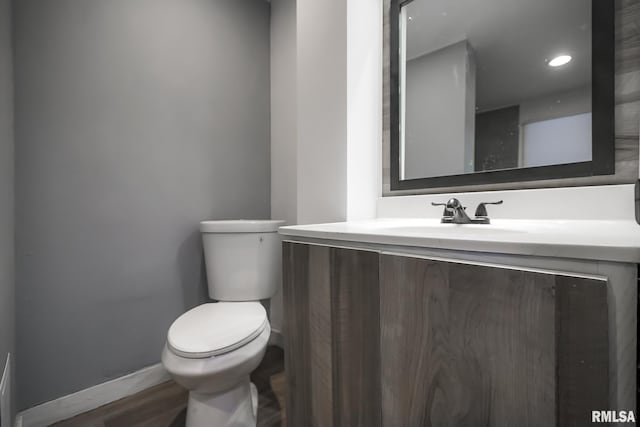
{"points": [[500, 90]]}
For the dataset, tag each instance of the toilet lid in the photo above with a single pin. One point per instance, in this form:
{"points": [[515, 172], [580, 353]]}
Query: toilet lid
{"points": [[216, 328]]}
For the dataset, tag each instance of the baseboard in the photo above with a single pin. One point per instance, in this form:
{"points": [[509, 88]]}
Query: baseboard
{"points": [[92, 397], [276, 338]]}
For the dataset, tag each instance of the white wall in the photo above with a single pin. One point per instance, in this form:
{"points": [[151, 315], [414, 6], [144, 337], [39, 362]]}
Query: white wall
{"points": [[440, 88], [326, 118], [556, 128], [557, 141], [470, 112], [364, 107], [339, 51], [322, 110]]}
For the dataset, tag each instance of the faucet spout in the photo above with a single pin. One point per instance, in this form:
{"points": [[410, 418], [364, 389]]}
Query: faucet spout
{"points": [[454, 213], [458, 214]]}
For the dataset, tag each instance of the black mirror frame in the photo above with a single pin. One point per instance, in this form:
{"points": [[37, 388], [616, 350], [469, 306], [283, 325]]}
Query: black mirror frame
{"points": [[603, 114]]}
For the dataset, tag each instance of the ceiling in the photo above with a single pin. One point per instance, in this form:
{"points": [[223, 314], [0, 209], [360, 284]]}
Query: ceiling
{"points": [[512, 40]]}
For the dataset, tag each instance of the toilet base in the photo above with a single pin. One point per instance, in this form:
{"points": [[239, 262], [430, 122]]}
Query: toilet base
{"points": [[237, 407]]}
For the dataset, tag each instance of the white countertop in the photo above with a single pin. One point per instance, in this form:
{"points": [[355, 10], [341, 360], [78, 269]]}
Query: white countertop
{"points": [[602, 240]]}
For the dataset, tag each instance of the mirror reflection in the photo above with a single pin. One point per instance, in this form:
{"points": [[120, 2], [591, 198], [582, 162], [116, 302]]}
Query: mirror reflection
{"points": [[493, 84]]}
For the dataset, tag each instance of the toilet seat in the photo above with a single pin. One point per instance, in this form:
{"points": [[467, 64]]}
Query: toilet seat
{"points": [[214, 329]]}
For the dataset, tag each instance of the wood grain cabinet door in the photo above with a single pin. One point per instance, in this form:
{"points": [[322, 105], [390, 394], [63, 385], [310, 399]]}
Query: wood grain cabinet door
{"points": [[471, 345], [332, 333]]}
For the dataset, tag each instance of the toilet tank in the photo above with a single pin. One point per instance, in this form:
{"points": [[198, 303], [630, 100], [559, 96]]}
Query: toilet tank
{"points": [[242, 258]]}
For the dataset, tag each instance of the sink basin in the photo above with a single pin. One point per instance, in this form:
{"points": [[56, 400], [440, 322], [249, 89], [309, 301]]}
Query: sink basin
{"points": [[453, 230], [434, 228], [593, 239]]}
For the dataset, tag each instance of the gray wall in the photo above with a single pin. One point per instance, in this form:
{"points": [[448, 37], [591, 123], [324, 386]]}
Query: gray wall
{"points": [[439, 112], [135, 120], [6, 188], [284, 185]]}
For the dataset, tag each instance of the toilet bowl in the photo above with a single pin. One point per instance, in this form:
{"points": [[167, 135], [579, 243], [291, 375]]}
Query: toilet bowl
{"points": [[212, 349], [219, 387]]}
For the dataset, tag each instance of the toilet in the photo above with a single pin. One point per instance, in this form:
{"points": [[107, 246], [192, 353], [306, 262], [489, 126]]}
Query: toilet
{"points": [[212, 348]]}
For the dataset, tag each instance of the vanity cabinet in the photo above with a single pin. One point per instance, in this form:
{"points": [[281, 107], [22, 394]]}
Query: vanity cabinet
{"points": [[332, 336], [466, 345], [379, 339]]}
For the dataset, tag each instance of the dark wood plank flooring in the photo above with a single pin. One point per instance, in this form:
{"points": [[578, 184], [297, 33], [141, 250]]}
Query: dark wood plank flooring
{"points": [[165, 405]]}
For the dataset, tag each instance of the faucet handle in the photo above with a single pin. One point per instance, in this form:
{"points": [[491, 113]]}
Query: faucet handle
{"points": [[452, 206], [452, 203], [446, 210], [481, 210]]}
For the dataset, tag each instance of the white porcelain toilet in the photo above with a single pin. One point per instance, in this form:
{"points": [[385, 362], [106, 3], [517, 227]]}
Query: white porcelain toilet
{"points": [[212, 348]]}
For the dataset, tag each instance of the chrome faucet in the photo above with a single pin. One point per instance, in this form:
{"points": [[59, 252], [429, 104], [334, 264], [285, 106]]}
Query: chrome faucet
{"points": [[454, 212]]}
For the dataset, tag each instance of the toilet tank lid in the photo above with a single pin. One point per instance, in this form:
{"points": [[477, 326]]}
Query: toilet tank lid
{"points": [[241, 226], [216, 328]]}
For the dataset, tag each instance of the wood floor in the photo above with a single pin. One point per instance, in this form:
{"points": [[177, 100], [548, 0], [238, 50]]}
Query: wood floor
{"points": [[165, 405]]}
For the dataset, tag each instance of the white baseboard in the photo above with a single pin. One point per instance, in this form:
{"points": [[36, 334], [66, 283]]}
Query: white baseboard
{"points": [[92, 397], [276, 338], [99, 395]]}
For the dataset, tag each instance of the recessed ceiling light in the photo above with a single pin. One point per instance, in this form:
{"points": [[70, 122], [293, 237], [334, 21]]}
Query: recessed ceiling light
{"points": [[410, 18], [560, 60]]}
